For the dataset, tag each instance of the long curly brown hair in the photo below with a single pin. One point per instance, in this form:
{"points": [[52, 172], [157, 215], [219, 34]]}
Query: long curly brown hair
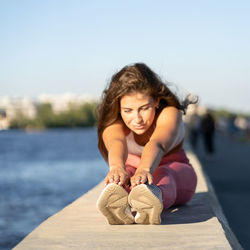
{"points": [[130, 79]]}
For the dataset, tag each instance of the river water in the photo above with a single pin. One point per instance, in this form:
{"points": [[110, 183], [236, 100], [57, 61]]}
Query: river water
{"points": [[42, 172]]}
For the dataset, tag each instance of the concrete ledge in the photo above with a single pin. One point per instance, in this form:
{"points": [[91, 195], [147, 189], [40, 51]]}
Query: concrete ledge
{"points": [[198, 225]]}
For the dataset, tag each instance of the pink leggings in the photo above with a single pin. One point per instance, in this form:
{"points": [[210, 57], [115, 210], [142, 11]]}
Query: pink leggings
{"points": [[174, 176]]}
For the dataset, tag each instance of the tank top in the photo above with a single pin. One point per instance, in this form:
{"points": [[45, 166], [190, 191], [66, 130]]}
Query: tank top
{"points": [[136, 149]]}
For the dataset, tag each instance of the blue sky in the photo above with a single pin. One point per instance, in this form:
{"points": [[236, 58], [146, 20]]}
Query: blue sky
{"points": [[202, 47]]}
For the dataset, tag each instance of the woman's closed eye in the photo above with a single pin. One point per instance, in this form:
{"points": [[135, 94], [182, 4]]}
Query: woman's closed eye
{"points": [[145, 108], [127, 111], [130, 110]]}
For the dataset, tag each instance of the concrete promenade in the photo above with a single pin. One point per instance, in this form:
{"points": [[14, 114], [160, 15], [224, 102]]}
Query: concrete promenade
{"points": [[198, 225], [229, 173]]}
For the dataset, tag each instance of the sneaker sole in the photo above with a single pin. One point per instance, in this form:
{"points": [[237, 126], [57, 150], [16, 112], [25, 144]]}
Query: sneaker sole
{"points": [[113, 204], [146, 204]]}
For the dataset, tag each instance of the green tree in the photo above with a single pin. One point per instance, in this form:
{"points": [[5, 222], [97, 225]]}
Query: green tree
{"points": [[45, 116], [76, 116]]}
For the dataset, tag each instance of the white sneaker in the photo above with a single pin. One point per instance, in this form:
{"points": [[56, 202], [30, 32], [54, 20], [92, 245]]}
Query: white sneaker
{"points": [[147, 201], [113, 203]]}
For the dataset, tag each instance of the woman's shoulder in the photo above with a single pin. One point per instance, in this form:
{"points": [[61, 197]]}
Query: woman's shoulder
{"points": [[169, 113]]}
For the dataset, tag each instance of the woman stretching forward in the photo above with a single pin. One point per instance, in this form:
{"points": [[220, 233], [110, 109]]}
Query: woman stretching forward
{"points": [[140, 135]]}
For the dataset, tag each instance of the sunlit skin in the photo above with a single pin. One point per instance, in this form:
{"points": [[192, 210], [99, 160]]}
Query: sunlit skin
{"points": [[156, 134]]}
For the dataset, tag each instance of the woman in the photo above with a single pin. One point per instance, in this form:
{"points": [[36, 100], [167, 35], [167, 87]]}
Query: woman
{"points": [[140, 135]]}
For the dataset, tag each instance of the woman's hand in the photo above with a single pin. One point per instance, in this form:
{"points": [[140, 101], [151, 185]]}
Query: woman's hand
{"points": [[141, 176], [117, 175]]}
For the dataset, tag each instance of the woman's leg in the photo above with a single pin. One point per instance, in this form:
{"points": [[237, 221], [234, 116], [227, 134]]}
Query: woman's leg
{"points": [[162, 178], [177, 182], [186, 181]]}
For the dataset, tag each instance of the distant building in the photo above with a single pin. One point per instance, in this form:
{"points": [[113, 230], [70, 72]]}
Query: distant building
{"points": [[16, 106], [12, 108]]}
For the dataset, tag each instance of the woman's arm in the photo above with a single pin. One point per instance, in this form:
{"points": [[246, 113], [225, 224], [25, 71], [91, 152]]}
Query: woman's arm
{"points": [[168, 126], [114, 138]]}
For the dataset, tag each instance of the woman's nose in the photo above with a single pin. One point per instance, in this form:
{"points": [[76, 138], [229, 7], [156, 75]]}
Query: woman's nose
{"points": [[138, 117]]}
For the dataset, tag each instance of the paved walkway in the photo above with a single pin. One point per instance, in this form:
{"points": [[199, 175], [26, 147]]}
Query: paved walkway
{"points": [[229, 173], [198, 225]]}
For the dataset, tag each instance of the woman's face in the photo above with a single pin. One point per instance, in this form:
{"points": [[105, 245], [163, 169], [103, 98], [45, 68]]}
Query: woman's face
{"points": [[138, 111]]}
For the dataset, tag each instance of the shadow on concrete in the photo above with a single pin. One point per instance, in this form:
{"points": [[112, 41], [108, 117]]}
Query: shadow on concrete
{"points": [[197, 210]]}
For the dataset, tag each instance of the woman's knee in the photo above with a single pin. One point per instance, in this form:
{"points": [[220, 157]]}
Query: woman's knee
{"points": [[161, 175], [185, 176], [185, 180]]}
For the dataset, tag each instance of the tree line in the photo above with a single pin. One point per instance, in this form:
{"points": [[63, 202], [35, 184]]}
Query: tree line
{"points": [[79, 116], [76, 116]]}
